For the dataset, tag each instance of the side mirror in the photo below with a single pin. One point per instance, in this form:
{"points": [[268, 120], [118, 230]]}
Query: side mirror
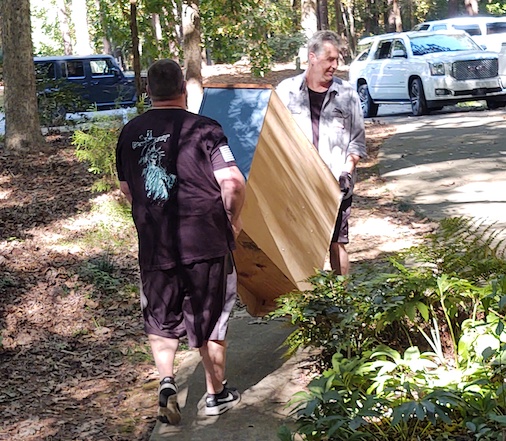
{"points": [[399, 53], [115, 71]]}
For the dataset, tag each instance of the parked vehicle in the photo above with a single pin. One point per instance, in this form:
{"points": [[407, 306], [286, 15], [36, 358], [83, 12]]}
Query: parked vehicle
{"points": [[488, 32], [96, 80], [427, 69]]}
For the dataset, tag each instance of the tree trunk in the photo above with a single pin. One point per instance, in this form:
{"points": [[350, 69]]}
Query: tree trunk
{"points": [[80, 20], [453, 8], [471, 7], [22, 126], [394, 17], [192, 51], [349, 24], [63, 20], [309, 20], [323, 14], [371, 19], [134, 32], [339, 18], [157, 32], [106, 43], [308, 23], [173, 28], [296, 5]]}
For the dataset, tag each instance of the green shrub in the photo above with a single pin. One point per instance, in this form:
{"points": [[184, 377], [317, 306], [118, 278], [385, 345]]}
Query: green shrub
{"points": [[450, 292], [285, 48], [328, 317], [97, 147], [56, 98]]}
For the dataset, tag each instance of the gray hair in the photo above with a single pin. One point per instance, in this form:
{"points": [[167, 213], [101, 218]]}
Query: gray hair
{"points": [[317, 40]]}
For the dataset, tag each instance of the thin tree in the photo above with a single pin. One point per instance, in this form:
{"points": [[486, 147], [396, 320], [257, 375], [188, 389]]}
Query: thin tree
{"points": [[296, 7], [309, 20], [471, 7], [134, 31], [393, 17], [453, 8], [63, 22], [22, 126], [192, 51], [323, 14], [339, 18]]}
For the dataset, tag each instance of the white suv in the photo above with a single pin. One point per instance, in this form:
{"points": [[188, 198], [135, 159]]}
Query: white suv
{"points": [[427, 69], [488, 32]]}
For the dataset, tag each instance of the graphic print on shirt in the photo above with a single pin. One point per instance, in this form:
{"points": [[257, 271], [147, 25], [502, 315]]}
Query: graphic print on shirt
{"points": [[157, 181]]}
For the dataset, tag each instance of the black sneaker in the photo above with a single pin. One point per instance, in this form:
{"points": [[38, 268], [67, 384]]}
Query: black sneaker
{"points": [[168, 412], [220, 403]]}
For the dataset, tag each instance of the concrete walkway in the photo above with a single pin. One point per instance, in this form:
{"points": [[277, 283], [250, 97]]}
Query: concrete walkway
{"points": [[255, 365]]}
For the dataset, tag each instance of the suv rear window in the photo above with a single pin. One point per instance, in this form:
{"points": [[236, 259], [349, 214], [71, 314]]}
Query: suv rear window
{"points": [[496, 28], [471, 29]]}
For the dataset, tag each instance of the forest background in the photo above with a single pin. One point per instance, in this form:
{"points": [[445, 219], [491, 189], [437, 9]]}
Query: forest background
{"points": [[137, 32]]}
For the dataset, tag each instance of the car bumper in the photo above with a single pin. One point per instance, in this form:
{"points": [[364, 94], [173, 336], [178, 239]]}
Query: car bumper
{"points": [[447, 89]]}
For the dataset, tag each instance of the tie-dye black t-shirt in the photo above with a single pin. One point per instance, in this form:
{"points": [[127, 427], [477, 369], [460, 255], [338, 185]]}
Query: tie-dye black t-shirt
{"points": [[167, 157]]}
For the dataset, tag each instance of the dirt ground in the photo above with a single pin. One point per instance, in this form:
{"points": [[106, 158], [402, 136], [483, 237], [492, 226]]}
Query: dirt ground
{"points": [[74, 363]]}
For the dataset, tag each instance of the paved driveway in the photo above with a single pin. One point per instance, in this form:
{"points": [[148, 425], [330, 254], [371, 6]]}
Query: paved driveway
{"points": [[449, 163]]}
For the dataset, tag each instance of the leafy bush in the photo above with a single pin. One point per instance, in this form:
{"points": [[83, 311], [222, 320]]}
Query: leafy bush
{"points": [[97, 147], [285, 47], [451, 291], [56, 98], [329, 317]]}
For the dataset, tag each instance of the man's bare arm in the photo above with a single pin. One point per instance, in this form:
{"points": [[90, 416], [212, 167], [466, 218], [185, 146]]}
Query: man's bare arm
{"points": [[125, 190], [233, 192]]}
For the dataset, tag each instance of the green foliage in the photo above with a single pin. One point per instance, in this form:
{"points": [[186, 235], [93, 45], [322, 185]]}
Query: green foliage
{"points": [[235, 29], [46, 22], [496, 8], [56, 98], [327, 317], [97, 147], [284, 48], [100, 273], [451, 290]]}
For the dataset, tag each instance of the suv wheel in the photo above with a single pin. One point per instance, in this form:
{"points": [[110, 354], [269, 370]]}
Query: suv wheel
{"points": [[369, 109], [417, 97]]}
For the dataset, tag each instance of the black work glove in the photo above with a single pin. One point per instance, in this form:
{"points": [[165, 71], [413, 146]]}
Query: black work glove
{"points": [[345, 184]]}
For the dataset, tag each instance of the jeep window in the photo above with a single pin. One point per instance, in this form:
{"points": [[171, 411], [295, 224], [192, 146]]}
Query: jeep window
{"points": [[441, 27], [44, 71], [497, 27], [73, 69], [383, 50], [421, 27], [471, 29], [422, 45], [101, 68]]}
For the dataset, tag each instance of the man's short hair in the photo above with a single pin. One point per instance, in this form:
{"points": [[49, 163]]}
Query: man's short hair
{"points": [[165, 80], [317, 40]]}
